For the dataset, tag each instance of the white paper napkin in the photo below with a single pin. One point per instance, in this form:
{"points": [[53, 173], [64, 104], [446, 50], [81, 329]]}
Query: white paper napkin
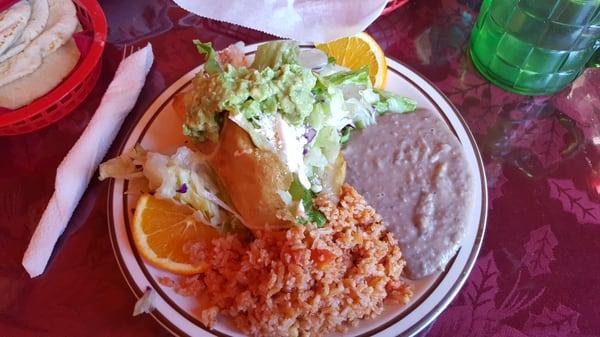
{"points": [[75, 171], [302, 20]]}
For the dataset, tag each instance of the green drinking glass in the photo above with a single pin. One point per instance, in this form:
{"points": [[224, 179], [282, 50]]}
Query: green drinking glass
{"points": [[536, 47]]}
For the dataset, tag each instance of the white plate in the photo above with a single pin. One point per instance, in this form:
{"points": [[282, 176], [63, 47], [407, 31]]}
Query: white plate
{"points": [[159, 129]]}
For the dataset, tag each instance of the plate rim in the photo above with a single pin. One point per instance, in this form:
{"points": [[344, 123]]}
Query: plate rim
{"points": [[437, 308]]}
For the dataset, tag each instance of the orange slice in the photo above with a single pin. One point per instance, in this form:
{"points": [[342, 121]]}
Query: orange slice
{"points": [[160, 230], [355, 51]]}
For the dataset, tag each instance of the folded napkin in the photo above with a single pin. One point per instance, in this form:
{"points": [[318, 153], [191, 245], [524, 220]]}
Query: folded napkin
{"points": [[75, 171], [302, 20]]}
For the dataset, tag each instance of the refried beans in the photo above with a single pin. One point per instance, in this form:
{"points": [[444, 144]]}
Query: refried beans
{"points": [[413, 171]]}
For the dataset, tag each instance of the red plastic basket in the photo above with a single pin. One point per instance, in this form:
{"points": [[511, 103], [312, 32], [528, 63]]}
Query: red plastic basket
{"points": [[392, 5], [63, 99]]}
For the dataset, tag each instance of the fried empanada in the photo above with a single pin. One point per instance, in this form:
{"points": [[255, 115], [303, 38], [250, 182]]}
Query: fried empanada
{"points": [[252, 178]]}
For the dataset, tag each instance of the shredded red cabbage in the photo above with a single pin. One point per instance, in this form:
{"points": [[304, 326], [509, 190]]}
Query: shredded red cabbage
{"points": [[182, 188], [310, 134]]}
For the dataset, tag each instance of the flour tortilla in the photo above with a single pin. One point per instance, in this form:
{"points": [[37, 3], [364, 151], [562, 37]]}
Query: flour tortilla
{"points": [[12, 23], [62, 22], [53, 70], [39, 18]]}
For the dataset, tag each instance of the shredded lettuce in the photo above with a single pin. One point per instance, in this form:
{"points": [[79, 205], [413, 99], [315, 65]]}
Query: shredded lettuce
{"points": [[260, 129], [185, 176], [328, 140], [356, 77], [363, 114], [125, 166], [345, 134], [167, 174], [389, 102], [146, 303], [275, 54], [212, 65], [305, 196]]}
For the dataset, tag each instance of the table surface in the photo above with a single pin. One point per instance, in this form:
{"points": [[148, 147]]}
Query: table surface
{"points": [[539, 269]]}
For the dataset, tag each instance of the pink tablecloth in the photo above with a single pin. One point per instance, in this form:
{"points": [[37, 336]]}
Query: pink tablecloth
{"points": [[539, 270]]}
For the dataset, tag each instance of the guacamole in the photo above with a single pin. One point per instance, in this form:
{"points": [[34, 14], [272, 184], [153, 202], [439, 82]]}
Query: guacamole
{"points": [[251, 93]]}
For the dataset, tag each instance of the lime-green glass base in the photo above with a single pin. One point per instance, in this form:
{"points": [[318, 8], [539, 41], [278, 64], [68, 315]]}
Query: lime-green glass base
{"points": [[534, 47], [510, 87]]}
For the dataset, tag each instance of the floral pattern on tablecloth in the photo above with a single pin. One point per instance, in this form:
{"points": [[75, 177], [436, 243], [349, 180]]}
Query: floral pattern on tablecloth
{"points": [[537, 274]]}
